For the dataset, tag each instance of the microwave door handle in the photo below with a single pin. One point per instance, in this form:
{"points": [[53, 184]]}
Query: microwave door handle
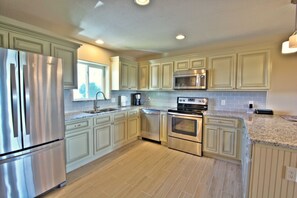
{"points": [[198, 80], [14, 100], [26, 99]]}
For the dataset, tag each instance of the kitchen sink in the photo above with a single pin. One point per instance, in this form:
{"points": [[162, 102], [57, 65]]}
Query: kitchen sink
{"points": [[100, 110]]}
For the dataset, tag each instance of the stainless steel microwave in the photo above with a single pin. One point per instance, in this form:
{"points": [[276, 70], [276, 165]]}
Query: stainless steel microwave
{"points": [[190, 79]]}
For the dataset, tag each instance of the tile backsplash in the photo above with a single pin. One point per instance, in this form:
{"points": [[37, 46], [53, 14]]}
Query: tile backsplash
{"points": [[234, 101]]}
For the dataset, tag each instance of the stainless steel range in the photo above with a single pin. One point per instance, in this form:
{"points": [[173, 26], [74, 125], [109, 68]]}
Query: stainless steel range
{"points": [[185, 125]]}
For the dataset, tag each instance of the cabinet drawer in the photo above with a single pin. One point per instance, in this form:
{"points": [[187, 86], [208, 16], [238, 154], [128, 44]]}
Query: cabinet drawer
{"points": [[102, 120], [229, 122], [133, 113], [77, 125], [120, 116]]}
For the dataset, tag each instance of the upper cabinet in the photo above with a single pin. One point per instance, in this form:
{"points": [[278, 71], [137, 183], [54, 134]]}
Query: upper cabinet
{"points": [[3, 38], [143, 76], [28, 43], [190, 63], [222, 70], [161, 76], [253, 70], [69, 62], [26, 40], [124, 74], [242, 71]]}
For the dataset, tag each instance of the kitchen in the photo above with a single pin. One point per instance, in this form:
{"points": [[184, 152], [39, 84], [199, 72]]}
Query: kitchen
{"points": [[279, 94]]}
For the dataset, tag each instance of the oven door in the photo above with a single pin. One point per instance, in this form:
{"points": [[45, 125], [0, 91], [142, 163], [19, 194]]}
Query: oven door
{"points": [[185, 126]]}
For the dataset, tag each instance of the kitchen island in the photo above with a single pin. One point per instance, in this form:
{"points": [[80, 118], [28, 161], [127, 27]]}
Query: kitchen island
{"points": [[269, 147]]}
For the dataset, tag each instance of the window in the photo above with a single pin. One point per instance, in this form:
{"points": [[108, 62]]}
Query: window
{"points": [[91, 78]]}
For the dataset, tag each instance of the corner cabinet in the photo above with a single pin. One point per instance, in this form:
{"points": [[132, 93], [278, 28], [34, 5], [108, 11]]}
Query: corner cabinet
{"points": [[222, 137], [161, 75], [69, 61], [124, 74], [222, 71], [253, 70]]}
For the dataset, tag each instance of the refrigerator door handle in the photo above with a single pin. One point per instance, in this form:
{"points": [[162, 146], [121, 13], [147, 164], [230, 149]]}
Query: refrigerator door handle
{"points": [[26, 99], [14, 100]]}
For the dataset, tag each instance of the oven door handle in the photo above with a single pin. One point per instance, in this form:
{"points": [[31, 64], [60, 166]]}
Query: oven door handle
{"points": [[184, 115]]}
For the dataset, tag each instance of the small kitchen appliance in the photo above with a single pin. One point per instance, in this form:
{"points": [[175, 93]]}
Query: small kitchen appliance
{"points": [[190, 79], [136, 99], [185, 125], [123, 101]]}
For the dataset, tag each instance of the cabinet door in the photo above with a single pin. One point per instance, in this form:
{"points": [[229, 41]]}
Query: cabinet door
{"points": [[132, 127], [102, 138], [197, 63], [3, 39], [163, 127], [167, 76], [228, 142], [133, 77], [119, 133], [181, 65], [69, 61], [78, 146], [155, 76], [29, 44], [211, 139], [222, 72], [143, 77], [124, 76], [253, 70]]}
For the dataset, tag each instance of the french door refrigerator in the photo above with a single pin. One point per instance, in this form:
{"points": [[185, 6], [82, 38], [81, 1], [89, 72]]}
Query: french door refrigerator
{"points": [[32, 152]]}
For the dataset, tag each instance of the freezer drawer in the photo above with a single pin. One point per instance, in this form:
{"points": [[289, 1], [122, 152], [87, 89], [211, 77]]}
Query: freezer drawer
{"points": [[32, 173]]}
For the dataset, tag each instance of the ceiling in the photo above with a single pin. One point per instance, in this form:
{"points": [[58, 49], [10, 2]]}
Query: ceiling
{"points": [[138, 31]]}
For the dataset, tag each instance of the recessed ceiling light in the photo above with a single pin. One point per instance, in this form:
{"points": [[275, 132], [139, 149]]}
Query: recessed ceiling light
{"points": [[180, 37], [98, 4], [99, 41], [142, 2]]}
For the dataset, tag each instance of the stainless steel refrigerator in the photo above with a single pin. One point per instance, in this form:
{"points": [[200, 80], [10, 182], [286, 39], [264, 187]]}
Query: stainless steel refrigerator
{"points": [[32, 152]]}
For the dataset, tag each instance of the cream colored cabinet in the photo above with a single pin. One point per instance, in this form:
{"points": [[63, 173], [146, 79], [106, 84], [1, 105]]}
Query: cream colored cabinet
{"points": [[190, 63], [133, 124], [253, 70], [222, 136], [102, 134], [163, 128], [161, 75], [143, 76], [124, 74], [3, 39], [120, 129], [69, 62], [27, 43], [222, 71], [78, 138]]}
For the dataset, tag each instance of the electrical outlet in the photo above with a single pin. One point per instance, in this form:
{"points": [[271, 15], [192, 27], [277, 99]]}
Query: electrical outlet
{"points": [[112, 100], [291, 174], [223, 102]]}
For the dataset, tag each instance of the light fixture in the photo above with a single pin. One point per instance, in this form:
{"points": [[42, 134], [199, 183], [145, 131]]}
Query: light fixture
{"points": [[290, 46], [99, 41], [286, 49], [180, 37], [98, 4], [142, 2]]}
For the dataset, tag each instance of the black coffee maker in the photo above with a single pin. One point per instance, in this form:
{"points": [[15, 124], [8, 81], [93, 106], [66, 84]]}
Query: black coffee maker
{"points": [[136, 99]]}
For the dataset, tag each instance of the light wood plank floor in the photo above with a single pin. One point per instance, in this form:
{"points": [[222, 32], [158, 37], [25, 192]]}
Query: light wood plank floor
{"points": [[145, 169]]}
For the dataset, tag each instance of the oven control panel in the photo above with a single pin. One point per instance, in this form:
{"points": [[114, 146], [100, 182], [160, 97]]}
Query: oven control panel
{"points": [[192, 100]]}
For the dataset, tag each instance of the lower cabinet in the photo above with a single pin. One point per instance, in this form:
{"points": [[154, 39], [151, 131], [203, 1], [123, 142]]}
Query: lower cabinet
{"points": [[102, 139], [163, 128], [221, 140], [89, 139]]}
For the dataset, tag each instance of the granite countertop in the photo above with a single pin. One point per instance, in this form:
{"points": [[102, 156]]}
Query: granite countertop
{"points": [[265, 129], [71, 116]]}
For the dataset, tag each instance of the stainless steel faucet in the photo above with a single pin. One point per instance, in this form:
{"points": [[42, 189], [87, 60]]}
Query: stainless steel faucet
{"points": [[95, 101]]}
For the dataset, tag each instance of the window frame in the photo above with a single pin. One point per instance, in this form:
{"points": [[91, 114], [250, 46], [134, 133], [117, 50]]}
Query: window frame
{"points": [[105, 80]]}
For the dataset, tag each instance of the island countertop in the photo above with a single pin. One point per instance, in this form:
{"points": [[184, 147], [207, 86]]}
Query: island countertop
{"points": [[265, 129]]}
